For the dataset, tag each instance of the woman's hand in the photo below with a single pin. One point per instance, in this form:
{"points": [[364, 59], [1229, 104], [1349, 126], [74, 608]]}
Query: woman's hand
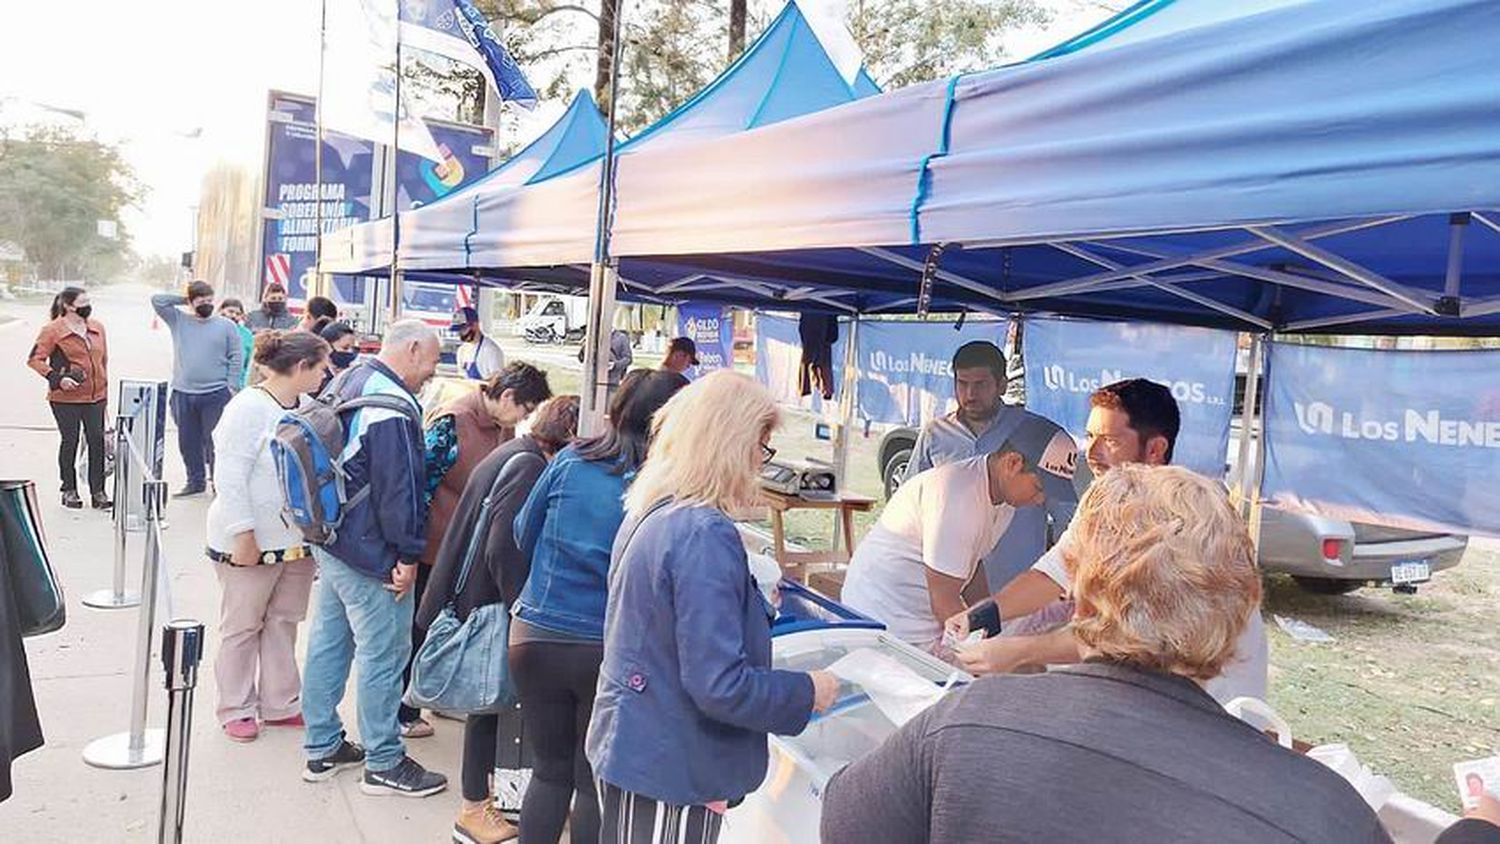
{"points": [[825, 690], [67, 383], [246, 552]]}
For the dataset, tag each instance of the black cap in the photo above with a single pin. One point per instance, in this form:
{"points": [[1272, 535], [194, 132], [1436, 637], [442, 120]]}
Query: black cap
{"points": [[685, 344]]}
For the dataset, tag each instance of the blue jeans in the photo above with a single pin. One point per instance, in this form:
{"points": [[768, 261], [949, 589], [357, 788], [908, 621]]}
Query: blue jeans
{"points": [[196, 415], [355, 619]]}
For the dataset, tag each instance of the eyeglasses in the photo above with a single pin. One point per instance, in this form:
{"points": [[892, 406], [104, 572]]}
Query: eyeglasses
{"points": [[767, 454]]}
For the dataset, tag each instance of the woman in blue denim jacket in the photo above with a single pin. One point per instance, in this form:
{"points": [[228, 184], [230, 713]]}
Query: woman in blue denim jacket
{"points": [[687, 693], [566, 528]]}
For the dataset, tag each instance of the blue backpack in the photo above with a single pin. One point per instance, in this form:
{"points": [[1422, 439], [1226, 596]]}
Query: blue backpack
{"points": [[308, 449]]}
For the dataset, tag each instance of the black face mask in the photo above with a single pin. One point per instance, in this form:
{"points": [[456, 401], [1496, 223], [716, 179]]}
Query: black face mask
{"points": [[84, 312], [275, 308], [204, 310], [342, 360]]}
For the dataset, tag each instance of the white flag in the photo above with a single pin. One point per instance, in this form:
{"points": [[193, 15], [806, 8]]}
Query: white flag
{"points": [[829, 20], [358, 94]]}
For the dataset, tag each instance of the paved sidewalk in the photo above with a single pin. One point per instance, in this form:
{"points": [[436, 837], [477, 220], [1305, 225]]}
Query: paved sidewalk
{"points": [[237, 793]]}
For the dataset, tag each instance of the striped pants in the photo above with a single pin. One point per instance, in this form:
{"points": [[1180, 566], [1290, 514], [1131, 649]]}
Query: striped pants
{"points": [[632, 819]]}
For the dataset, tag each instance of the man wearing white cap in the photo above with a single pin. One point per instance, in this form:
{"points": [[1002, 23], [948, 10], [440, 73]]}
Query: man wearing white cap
{"points": [[912, 569]]}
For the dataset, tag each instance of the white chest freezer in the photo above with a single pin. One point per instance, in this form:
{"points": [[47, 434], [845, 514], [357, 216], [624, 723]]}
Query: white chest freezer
{"points": [[812, 633]]}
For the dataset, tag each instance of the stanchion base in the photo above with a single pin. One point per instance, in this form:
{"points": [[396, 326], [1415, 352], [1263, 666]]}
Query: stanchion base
{"points": [[106, 599], [114, 752]]}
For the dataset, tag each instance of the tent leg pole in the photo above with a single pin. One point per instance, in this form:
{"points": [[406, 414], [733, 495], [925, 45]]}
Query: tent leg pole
{"points": [[1247, 420], [1260, 459], [849, 384], [594, 399]]}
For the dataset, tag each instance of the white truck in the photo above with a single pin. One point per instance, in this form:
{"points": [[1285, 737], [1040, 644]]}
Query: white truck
{"points": [[555, 319]]}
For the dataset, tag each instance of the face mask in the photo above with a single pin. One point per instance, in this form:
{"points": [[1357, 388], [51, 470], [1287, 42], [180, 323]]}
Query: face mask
{"points": [[204, 310], [342, 360], [85, 311], [275, 308]]}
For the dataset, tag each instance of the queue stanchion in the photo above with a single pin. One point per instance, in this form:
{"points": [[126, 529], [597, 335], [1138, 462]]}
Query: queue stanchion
{"points": [[181, 652], [117, 596], [139, 747]]}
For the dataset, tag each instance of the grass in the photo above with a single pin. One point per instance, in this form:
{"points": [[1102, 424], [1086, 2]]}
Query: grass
{"points": [[1411, 683]]}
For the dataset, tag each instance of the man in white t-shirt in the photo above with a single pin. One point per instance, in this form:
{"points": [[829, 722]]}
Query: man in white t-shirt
{"points": [[478, 355], [910, 572], [1131, 421]]}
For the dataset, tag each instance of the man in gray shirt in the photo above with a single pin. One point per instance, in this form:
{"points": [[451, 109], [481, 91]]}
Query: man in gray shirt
{"points": [[207, 365], [273, 314]]}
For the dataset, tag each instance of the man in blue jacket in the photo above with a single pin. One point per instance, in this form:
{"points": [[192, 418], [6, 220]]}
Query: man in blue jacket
{"points": [[363, 611]]}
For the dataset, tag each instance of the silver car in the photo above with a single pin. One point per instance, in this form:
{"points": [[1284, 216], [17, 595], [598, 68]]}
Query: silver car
{"points": [[1332, 557]]}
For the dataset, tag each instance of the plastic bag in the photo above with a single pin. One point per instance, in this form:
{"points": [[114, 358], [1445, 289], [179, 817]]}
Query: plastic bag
{"points": [[900, 693], [1375, 789]]}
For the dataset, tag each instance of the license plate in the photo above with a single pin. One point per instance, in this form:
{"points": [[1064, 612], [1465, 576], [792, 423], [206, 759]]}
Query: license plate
{"points": [[1413, 572]]}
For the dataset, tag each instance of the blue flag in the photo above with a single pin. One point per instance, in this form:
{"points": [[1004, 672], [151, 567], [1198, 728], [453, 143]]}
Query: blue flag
{"points": [[456, 30]]}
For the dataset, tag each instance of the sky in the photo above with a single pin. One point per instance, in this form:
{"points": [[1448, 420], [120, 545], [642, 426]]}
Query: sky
{"points": [[182, 84]]}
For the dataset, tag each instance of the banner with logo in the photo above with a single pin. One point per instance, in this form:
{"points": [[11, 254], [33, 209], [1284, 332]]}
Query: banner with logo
{"points": [[778, 359], [906, 368], [1408, 439], [1067, 360], [290, 246], [291, 201], [465, 150], [711, 327]]}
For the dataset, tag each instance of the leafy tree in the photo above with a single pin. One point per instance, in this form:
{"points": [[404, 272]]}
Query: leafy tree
{"points": [[54, 188], [911, 41]]}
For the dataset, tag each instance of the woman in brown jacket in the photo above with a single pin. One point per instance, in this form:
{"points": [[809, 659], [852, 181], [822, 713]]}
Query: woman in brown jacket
{"points": [[70, 352], [459, 436]]}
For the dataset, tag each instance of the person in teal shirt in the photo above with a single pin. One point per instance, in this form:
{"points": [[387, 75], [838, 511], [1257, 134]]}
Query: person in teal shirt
{"points": [[234, 311]]}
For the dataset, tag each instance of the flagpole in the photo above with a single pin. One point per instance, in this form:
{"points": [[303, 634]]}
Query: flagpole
{"points": [[601, 278], [393, 189], [318, 152]]}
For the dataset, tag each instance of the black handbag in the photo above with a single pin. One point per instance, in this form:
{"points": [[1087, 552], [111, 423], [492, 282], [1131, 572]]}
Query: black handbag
{"points": [[32, 583]]}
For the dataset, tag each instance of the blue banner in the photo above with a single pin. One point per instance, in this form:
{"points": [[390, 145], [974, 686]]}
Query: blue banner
{"points": [[1067, 360], [711, 327], [1408, 439], [906, 368], [459, 31], [290, 246], [778, 356], [465, 152]]}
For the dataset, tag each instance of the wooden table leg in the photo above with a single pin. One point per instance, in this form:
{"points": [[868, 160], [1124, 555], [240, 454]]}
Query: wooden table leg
{"points": [[846, 515], [778, 544]]}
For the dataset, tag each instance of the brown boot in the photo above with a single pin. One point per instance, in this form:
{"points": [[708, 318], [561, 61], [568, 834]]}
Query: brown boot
{"points": [[482, 823]]}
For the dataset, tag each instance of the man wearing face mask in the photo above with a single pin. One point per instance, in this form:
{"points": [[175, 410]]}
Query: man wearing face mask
{"points": [[273, 314], [479, 357], [207, 367]]}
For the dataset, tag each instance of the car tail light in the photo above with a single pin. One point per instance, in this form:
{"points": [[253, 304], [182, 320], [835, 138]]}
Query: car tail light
{"points": [[1333, 549]]}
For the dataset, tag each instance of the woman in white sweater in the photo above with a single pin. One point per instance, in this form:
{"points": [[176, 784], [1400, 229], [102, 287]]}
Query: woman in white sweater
{"points": [[264, 568]]}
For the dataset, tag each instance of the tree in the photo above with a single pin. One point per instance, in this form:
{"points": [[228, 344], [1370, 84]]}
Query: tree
{"points": [[911, 41], [55, 187], [737, 12]]}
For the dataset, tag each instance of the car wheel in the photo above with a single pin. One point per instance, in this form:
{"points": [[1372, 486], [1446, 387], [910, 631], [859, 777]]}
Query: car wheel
{"points": [[1327, 585], [895, 471]]}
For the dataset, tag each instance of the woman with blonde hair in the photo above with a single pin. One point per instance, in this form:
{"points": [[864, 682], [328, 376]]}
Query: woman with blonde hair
{"points": [[1126, 746], [686, 693]]}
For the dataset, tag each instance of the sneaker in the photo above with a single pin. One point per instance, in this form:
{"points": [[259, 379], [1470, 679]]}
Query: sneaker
{"points": [[407, 779], [189, 491], [348, 755], [242, 730], [71, 499], [482, 824], [416, 729], [510, 789], [292, 721], [100, 501]]}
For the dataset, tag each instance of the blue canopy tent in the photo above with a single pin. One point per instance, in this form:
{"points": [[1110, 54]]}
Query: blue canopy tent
{"points": [[785, 73], [1277, 165], [576, 137]]}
